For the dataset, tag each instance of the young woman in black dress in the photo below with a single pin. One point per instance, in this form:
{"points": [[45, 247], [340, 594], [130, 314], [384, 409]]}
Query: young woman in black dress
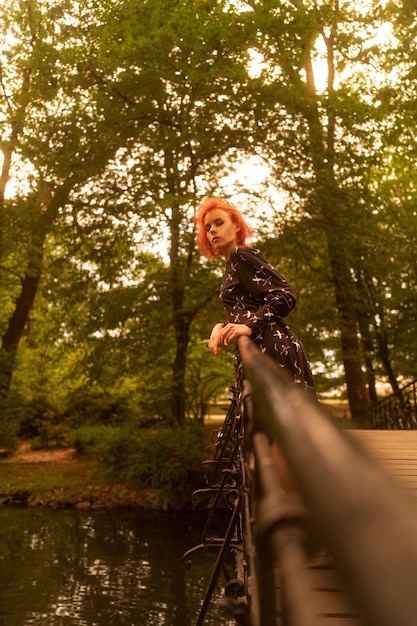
{"points": [[256, 298]]}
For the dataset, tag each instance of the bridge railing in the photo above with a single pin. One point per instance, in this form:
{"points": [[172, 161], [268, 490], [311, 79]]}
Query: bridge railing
{"points": [[293, 480], [398, 411]]}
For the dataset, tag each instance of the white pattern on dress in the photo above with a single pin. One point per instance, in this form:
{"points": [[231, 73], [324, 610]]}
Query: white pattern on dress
{"points": [[255, 294]]}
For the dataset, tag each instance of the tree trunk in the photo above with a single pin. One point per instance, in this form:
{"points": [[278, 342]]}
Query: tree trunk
{"points": [[383, 352], [180, 321], [329, 205], [8, 149], [345, 291], [20, 315], [365, 321], [368, 358], [182, 336]]}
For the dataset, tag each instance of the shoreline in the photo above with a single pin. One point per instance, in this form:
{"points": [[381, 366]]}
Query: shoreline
{"points": [[61, 479]]}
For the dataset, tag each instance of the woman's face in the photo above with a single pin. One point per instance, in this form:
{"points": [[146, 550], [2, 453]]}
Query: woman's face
{"points": [[221, 231]]}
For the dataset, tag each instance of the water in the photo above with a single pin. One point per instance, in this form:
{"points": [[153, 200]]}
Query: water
{"points": [[68, 568]]}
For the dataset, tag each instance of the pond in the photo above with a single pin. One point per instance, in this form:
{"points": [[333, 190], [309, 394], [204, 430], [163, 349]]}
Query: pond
{"points": [[70, 568]]}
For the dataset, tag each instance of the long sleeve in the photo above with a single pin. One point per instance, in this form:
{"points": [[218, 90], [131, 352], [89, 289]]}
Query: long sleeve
{"points": [[270, 293], [255, 294]]}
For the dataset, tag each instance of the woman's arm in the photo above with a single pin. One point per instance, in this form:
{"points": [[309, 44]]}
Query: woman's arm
{"points": [[275, 296]]}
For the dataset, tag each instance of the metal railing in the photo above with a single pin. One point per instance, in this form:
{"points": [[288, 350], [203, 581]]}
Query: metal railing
{"points": [[398, 411], [226, 532], [291, 480]]}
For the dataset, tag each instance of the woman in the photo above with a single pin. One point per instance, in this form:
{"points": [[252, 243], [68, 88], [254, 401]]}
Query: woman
{"points": [[255, 296]]}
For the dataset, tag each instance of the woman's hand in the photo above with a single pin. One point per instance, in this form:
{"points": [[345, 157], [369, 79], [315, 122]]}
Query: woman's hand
{"points": [[232, 331], [225, 334], [215, 339]]}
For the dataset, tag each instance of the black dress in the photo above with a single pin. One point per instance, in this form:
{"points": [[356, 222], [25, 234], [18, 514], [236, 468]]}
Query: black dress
{"points": [[255, 294]]}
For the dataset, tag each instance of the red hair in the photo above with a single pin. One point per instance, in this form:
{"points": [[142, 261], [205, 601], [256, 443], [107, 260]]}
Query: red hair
{"points": [[204, 207]]}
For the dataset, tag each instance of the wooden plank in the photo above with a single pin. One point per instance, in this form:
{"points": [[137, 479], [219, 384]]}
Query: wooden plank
{"points": [[395, 451], [330, 602]]}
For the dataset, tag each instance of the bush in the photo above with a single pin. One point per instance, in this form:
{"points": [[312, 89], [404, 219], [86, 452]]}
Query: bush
{"points": [[52, 436], [39, 421], [9, 441], [161, 458], [33, 416], [90, 439], [97, 407]]}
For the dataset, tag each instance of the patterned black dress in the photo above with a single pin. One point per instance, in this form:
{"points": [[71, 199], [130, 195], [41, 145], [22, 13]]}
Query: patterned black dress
{"points": [[255, 294]]}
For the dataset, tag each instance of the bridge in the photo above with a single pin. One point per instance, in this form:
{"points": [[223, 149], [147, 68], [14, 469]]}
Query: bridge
{"points": [[310, 524]]}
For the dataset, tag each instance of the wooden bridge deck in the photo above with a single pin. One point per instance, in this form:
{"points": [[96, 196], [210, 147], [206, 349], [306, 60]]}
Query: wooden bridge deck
{"points": [[396, 451]]}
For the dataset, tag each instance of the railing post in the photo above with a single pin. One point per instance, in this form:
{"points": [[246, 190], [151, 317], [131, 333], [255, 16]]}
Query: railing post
{"points": [[282, 544]]}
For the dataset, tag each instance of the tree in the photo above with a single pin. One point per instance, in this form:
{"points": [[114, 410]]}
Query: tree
{"points": [[179, 79], [131, 91], [325, 141], [50, 131], [125, 127]]}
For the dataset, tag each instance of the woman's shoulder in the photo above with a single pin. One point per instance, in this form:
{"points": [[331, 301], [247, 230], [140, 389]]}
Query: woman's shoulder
{"points": [[246, 253]]}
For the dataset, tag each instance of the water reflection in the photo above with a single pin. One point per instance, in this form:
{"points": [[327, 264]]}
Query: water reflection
{"points": [[101, 569]]}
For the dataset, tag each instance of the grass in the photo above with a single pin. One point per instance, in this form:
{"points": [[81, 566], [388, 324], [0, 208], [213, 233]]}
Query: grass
{"points": [[60, 483], [62, 478]]}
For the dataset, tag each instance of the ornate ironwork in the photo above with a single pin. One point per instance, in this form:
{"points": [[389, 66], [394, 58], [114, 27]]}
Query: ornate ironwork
{"points": [[225, 531], [398, 411]]}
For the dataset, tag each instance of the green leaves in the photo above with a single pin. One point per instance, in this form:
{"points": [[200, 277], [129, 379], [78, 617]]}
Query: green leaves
{"points": [[118, 117]]}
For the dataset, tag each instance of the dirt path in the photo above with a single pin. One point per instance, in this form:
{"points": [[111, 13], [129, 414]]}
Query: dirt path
{"points": [[25, 454]]}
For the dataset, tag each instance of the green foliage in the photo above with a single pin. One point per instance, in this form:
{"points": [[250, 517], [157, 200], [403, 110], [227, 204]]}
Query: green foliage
{"points": [[161, 458], [9, 431], [87, 440], [52, 436], [33, 415], [117, 123], [38, 420], [95, 406], [207, 376]]}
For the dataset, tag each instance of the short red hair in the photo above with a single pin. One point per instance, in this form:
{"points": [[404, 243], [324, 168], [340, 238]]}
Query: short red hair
{"points": [[204, 207]]}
